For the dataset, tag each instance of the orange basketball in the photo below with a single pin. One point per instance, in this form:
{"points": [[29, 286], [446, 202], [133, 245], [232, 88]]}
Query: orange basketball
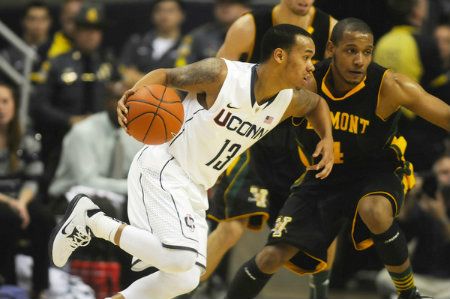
{"points": [[155, 114]]}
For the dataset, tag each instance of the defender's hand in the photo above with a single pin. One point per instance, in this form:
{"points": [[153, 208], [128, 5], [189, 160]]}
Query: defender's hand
{"points": [[122, 109], [325, 149]]}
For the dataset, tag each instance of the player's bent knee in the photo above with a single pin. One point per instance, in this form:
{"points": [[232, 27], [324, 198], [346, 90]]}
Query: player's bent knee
{"points": [[180, 261], [375, 212], [231, 231], [188, 280], [270, 259]]}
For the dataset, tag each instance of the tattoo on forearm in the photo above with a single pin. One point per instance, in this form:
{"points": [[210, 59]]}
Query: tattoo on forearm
{"points": [[305, 101], [205, 71]]}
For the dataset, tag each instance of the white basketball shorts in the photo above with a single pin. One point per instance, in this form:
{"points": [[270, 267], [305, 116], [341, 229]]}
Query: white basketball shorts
{"points": [[163, 200]]}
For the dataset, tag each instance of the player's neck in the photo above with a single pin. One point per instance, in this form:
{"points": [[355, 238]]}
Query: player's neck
{"points": [[283, 15], [267, 84], [337, 84]]}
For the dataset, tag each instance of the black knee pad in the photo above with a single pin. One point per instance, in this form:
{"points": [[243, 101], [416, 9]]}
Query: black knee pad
{"points": [[391, 246]]}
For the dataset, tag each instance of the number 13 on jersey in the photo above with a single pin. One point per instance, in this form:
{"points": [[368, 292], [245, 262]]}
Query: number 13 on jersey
{"points": [[225, 154]]}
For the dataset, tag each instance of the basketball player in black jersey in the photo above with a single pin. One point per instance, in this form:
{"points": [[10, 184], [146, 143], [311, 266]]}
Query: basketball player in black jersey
{"points": [[367, 184], [257, 183]]}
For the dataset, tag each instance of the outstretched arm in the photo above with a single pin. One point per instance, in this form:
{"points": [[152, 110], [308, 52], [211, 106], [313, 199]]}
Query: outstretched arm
{"points": [[399, 90], [205, 76], [310, 105]]}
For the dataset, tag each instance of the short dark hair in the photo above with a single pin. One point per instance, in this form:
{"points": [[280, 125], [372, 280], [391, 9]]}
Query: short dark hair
{"points": [[280, 36], [348, 24], [36, 4], [400, 10], [180, 3]]}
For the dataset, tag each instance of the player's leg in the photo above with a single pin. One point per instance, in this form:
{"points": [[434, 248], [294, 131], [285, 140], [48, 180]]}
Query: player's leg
{"points": [[254, 274], [162, 285], [298, 226], [165, 232], [84, 217], [221, 240], [319, 282], [377, 210], [238, 203]]}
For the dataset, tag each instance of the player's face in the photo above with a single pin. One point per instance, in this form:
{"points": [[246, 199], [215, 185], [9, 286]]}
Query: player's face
{"points": [[299, 7], [352, 55], [299, 66], [7, 107]]}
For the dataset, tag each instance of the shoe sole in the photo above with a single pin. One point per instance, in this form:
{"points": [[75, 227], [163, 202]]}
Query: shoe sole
{"points": [[59, 226]]}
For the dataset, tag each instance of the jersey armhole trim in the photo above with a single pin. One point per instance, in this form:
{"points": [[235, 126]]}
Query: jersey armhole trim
{"points": [[378, 100]]}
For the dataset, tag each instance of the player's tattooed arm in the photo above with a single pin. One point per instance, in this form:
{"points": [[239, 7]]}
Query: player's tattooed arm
{"points": [[204, 76], [303, 102], [310, 105]]}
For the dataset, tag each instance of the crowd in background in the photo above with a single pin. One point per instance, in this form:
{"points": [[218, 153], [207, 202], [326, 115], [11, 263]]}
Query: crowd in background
{"points": [[73, 144]]}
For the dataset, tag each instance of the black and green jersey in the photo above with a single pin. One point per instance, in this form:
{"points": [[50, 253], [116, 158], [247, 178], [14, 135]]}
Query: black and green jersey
{"points": [[362, 139]]}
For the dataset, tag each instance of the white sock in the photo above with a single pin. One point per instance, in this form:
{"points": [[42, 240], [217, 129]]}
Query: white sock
{"points": [[161, 285], [149, 249], [103, 226]]}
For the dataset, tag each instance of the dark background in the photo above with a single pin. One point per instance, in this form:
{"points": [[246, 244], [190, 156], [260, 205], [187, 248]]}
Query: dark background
{"points": [[127, 17]]}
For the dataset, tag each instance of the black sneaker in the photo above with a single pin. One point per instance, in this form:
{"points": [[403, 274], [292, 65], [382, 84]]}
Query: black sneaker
{"points": [[413, 295]]}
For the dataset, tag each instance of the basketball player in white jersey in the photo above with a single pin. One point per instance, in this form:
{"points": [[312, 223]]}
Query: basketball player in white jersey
{"points": [[230, 105]]}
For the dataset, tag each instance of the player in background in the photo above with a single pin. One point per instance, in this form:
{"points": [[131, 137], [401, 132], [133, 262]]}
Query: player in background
{"points": [[257, 183], [230, 105]]}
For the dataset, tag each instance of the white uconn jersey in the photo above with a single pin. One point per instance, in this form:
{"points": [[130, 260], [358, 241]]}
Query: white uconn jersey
{"points": [[211, 139]]}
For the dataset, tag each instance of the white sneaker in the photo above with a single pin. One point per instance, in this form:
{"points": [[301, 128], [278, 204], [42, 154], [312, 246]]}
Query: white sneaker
{"points": [[72, 232]]}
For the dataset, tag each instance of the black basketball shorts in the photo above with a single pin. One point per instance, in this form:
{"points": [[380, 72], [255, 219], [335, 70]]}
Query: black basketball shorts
{"points": [[316, 211]]}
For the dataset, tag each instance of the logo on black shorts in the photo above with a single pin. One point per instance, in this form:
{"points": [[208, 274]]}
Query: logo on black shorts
{"points": [[259, 196], [280, 226], [190, 222]]}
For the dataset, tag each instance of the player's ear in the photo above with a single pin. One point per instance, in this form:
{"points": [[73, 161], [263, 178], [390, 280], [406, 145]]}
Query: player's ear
{"points": [[330, 47], [279, 55]]}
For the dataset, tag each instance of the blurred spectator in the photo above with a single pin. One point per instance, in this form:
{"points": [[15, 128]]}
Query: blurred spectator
{"points": [[404, 50], [21, 212], [96, 153], [438, 10], [73, 88], [158, 47], [36, 24], [426, 219], [63, 39], [205, 41], [442, 34]]}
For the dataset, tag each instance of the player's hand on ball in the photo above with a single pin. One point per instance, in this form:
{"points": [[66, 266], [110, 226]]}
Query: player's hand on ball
{"points": [[122, 109], [325, 149]]}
